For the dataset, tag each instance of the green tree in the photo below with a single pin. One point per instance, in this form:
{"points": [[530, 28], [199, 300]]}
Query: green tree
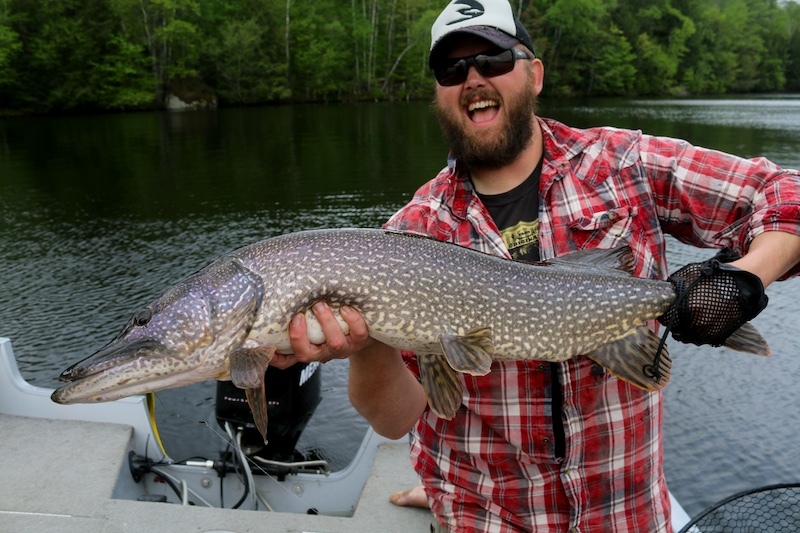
{"points": [[243, 55], [317, 60], [168, 31], [245, 74], [10, 47], [583, 49], [409, 76], [793, 47], [613, 72], [68, 57], [770, 23], [574, 27], [712, 62], [660, 47], [120, 78], [58, 55]]}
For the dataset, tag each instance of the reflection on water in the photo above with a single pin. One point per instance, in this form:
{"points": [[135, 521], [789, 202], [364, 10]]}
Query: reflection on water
{"points": [[764, 114], [98, 215], [765, 127]]}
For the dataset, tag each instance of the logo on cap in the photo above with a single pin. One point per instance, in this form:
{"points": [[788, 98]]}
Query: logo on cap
{"points": [[473, 10]]}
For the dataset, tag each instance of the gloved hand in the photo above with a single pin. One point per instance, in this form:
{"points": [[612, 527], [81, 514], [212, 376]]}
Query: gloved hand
{"points": [[714, 300]]}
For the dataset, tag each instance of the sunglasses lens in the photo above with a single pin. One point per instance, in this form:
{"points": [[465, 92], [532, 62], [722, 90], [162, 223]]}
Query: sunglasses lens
{"points": [[455, 71], [453, 74], [491, 66]]}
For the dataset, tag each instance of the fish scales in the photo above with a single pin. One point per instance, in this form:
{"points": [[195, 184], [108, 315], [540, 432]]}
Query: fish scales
{"points": [[459, 310], [413, 290]]}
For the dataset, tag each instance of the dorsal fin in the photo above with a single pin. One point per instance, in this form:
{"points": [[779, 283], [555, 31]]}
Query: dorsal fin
{"points": [[614, 261]]}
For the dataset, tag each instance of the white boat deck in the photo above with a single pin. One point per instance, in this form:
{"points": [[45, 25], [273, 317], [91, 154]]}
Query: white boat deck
{"points": [[60, 476], [60, 473]]}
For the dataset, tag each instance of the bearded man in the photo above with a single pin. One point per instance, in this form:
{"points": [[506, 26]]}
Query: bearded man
{"points": [[539, 446]]}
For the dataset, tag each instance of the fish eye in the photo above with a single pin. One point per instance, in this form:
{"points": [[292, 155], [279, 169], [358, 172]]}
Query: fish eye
{"points": [[142, 317]]}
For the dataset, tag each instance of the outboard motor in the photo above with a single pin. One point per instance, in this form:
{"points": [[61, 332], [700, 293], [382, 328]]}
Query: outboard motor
{"points": [[292, 397]]}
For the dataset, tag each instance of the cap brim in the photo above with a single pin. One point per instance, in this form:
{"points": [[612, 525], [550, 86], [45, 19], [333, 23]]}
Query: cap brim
{"points": [[492, 35]]}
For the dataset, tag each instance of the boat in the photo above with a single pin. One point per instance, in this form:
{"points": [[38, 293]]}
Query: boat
{"points": [[102, 466]]}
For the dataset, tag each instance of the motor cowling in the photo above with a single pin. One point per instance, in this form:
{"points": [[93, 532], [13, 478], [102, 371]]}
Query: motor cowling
{"points": [[293, 395]]}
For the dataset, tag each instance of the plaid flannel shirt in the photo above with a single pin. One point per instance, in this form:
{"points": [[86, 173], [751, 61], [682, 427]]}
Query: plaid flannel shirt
{"points": [[493, 467]]}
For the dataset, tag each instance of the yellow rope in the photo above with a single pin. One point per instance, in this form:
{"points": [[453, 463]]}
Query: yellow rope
{"points": [[151, 409]]}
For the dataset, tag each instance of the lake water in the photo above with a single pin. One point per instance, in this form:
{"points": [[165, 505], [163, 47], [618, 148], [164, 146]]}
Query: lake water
{"points": [[98, 215]]}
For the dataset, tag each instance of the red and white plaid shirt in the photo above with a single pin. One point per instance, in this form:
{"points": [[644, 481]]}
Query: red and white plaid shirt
{"points": [[493, 467]]}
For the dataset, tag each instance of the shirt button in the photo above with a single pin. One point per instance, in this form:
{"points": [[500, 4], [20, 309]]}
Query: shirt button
{"points": [[542, 366], [546, 440]]}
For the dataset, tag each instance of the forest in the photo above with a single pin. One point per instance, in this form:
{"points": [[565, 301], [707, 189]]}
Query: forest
{"points": [[99, 55]]}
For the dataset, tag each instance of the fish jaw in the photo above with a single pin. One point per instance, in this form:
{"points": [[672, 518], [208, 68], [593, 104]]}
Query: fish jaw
{"points": [[124, 369], [116, 353], [107, 386]]}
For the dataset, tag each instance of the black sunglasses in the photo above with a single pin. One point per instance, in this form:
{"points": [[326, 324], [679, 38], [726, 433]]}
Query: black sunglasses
{"points": [[453, 71]]}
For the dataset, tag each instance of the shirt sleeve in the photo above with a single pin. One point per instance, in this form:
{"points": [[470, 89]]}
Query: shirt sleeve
{"points": [[710, 198]]}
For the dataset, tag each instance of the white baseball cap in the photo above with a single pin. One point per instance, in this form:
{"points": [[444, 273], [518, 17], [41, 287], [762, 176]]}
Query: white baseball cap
{"points": [[492, 20]]}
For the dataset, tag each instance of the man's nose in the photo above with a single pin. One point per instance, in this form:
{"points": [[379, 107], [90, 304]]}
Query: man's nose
{"points": [[474, 78]]}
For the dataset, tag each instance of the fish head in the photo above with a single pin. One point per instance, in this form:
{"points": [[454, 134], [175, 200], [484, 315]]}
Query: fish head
{"points": [[183, 337]]}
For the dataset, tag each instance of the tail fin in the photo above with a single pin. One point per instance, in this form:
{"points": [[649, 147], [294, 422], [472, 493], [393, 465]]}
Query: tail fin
{"points": [[748, 339]]}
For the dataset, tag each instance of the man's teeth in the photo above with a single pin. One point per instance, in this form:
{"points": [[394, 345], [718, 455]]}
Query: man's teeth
{"points": [[482, 104]]}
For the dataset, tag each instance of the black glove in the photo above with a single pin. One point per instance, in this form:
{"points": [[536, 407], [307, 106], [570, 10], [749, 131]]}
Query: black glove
{"points": [[714, 300]]}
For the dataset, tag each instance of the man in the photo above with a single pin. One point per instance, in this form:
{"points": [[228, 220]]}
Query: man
{"points": [[564, 446]]}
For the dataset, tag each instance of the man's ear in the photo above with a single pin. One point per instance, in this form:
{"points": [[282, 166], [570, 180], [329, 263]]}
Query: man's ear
{"points": [[537, 72]]}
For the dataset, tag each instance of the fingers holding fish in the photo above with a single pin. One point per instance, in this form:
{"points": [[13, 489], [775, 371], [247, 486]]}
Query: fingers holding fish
{"points": [[283, 360], [322, 336]]}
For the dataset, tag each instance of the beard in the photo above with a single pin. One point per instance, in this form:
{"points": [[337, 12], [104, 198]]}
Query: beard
{"points": [[480, 151]]}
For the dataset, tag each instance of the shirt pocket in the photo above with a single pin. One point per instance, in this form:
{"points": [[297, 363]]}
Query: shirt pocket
{"points": [[604, 229]]}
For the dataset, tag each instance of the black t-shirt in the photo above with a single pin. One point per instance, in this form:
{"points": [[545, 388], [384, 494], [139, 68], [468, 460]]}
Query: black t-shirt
{"points": [[516, 214]]}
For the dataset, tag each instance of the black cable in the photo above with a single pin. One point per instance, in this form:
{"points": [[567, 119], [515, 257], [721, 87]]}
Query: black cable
{"points": [[168, 481]]}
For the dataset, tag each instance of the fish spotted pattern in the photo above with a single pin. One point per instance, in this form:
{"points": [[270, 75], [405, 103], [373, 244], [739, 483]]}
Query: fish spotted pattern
{"points": [[457, 309]]}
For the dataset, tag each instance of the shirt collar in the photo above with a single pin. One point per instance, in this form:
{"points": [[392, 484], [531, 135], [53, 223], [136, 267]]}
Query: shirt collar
{"points": [[560, 144]]}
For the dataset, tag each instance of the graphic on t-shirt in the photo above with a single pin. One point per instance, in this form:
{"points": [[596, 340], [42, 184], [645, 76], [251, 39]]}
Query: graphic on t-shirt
{"points": [[522, 240]]}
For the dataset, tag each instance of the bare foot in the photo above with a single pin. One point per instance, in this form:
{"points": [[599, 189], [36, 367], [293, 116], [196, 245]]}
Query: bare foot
{"points": [[415, 497]]}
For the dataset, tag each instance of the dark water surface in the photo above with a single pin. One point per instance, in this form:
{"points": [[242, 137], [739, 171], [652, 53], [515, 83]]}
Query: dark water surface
{"points": [[98, 215]]}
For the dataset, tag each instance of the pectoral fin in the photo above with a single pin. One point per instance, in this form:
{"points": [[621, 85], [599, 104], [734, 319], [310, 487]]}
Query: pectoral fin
{"points": [[247, 367], [442, 385], [470, 353], [631, 359]]}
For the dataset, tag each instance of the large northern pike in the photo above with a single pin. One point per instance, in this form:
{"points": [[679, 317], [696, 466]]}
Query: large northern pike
{"points": [[458, 309]]}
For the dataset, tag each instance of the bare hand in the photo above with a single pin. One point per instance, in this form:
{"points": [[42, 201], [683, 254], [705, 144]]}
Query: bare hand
{"points": [[338, 345]]}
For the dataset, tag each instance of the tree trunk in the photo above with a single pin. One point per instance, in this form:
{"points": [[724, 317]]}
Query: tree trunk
{"points": [[287, 35]]}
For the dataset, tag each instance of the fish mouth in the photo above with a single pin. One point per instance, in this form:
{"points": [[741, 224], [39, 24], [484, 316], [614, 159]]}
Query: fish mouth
{"points": [[122, 369]]}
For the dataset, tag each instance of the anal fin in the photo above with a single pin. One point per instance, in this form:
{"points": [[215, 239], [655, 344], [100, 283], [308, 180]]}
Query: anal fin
{"points": [[631, 359], [442, 385], [471, 353]]}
